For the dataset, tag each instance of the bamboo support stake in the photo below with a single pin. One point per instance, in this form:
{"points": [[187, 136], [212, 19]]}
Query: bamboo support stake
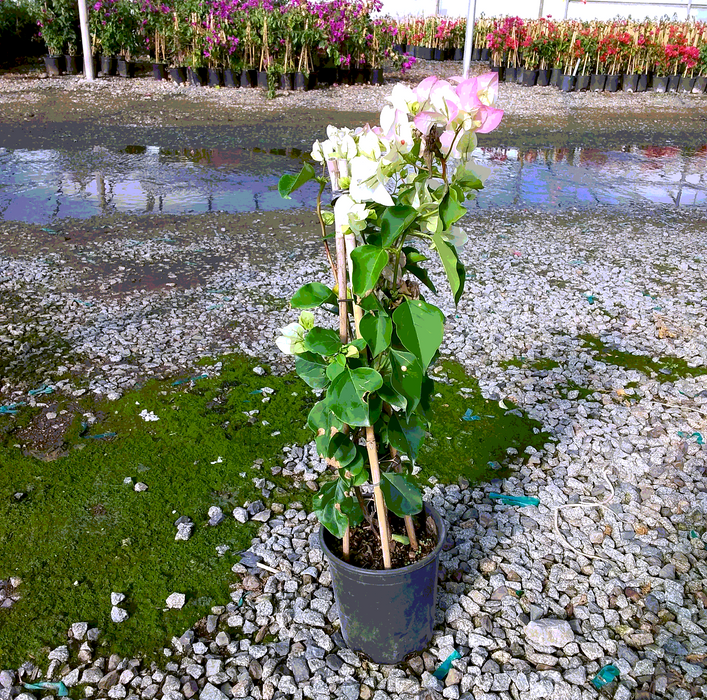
{"points": [[371, 446], [409, 525]]}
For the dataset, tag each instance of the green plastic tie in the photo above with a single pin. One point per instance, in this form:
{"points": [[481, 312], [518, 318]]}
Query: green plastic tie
{"points": [[11, 409], [687, 436], [100, 436], [44, 389], [606, 674], [515, 500], [190, 379], [52, 231], [469, 415], [61, 689], [443, 669]]}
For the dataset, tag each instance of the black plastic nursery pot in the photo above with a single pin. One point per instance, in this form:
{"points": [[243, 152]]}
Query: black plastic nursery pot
{"points": [[568, 83], [520, 72], [629, 83], [529, 77], [582, 83], [109, 65], [686, 84], [287, 81], [556, 77], [436, 54], [510, 74], [159, 71], [249, 78], [424, 53], [597, 82], [197, 76], [475, 54], [262, 79], [673, 83], [301, 82], [642, 84], [231, 79], [215, 77], [700, 84], [178, 75], [399, 48], [391, 613], [612, 83], [660, 83], [543, 77], [500, 70], [54, 65], [74, 64], [484, 55], [126, 69], [377, 77]]}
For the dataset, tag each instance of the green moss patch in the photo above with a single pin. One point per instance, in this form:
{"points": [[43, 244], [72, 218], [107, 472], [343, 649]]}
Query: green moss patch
{"points": [[664, 369], [80, 533], [470, 435]]}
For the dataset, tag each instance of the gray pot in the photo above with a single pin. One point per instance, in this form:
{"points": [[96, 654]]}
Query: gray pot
{"points": [[391, 613]]}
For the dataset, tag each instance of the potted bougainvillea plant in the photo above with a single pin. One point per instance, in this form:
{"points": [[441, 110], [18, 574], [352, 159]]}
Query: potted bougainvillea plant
{"points": [[399, 191]]}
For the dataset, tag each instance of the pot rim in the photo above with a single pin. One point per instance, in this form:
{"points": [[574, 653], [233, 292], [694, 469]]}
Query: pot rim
{"points": [[382, 573]]}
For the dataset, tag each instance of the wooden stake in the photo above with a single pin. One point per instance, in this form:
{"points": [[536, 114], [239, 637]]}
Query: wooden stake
{"points": [[346, 544], [371, 446], [409, 525]]}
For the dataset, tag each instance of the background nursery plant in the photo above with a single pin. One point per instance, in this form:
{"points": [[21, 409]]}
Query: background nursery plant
{"points": [[397, 186]]}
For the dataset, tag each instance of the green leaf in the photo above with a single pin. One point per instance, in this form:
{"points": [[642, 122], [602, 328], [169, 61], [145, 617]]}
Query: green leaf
{"points": [[352, 510], [312, 368], [347, 391], [289, 183], [406, 434], [377, 330], [467, 178], [342, 449], [450, 210], [395, 220], [450, 261], [312, 295], [414, 255], [324, 506], [335, 368], [421, 274], [368, 263], [392, 397], [401, 495], [406, 377], [371, 303], [420, 327], [323, 341], [321, 418]]}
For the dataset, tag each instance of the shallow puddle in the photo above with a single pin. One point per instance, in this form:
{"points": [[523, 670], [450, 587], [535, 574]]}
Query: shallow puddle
{"points": [[40, 186]]}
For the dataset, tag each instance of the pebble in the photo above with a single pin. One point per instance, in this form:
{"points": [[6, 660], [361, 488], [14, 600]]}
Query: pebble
{"points": [[549, 633], [176, 601], [118, 615]]}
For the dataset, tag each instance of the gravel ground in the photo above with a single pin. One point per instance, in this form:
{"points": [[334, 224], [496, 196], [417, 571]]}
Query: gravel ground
{"points": [[129, 297]]}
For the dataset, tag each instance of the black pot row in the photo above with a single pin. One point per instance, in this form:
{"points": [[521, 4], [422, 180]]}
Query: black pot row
{"points": [[73, 65], [217, 77], [636, 82], [426, 53]]}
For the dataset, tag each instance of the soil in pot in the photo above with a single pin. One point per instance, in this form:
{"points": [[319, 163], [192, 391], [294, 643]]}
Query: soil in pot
{"points": [[367, 554], [597, 82], [159, 71]]}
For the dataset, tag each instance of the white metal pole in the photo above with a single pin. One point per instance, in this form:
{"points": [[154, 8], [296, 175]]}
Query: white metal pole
{"points": [[469, 38], [567, 7], [86, 41]]}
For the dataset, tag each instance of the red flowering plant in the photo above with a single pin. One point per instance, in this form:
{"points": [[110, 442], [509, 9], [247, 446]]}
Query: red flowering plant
{"points": [[56, 20], [105, 23], [155, 20]]}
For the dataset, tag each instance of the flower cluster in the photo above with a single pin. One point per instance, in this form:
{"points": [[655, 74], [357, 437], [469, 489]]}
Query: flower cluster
{"points": [[442, 118]]}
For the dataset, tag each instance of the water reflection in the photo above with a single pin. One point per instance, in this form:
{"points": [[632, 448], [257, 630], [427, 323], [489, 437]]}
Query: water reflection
{"points": [[40, 185]]}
